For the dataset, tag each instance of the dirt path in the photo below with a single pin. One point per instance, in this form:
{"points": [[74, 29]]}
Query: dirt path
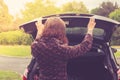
{"points": [[13, 63]]}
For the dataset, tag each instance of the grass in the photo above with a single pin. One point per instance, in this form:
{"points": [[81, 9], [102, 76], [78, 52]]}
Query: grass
{"points": [[117, 54], [24, 51], [9, 75], [17, 51]]}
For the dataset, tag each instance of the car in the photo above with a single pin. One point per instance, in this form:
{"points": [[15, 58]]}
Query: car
{"points": [[97, 64]]}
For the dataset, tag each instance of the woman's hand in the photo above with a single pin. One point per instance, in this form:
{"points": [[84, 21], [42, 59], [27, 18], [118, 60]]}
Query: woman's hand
{"points": [[91, 25], [39, 27]]}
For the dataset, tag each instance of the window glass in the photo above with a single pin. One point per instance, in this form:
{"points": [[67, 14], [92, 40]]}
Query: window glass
{"points": [[115, 41], [97, 32]]}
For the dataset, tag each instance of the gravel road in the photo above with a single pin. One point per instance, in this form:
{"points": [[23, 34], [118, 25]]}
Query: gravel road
{"points": [[13, 63]]}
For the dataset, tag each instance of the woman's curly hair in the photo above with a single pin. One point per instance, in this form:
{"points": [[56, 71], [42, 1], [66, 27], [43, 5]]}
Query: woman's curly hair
{"points": [[55, 27]]}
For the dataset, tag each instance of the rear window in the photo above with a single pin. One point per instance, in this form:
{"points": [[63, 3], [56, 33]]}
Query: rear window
{"points": [[97, 32]]}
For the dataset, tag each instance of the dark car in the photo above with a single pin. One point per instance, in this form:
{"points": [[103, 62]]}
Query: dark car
{"points": [[97, 64]]}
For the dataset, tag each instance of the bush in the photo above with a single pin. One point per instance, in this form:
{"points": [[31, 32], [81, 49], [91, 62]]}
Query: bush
{"points": [[15, 37]]}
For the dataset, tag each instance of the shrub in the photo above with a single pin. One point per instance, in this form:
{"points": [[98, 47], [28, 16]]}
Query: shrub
{"points": [[15, 37]]}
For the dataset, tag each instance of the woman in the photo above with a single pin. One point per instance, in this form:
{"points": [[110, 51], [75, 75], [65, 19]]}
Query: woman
{"points": [[52, 51]]}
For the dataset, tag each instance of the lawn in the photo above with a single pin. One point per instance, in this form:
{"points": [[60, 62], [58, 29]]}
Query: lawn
{"points": [[24, 51], [17, 51], [9, 75], [117, 54]]}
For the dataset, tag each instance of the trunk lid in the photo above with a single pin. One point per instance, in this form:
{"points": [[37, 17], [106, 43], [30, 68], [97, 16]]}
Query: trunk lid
{"points": [[77, 25]]}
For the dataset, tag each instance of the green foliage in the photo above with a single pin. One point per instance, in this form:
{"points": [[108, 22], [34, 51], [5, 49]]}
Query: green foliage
{"points": [[117, 54], [116, 37], [38, 8], [115, 15], [5, 17], [77, 7], [14, 37], [105, 9]]}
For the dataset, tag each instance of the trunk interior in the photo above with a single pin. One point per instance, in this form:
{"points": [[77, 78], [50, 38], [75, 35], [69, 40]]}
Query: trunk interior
{"points": [[88, 67]]}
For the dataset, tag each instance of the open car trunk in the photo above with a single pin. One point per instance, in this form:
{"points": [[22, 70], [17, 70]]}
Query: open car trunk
{"points": [[91, 65], [88, 67]]}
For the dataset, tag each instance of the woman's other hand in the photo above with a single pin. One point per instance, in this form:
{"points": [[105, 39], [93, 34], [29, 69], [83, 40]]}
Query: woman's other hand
{"points": [[91, 25], [40, 27]]}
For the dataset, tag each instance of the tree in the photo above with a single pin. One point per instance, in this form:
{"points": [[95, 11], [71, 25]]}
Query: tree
{"points": [[115, 15], [17, 22], [38, 8], [74, 6], [105, 9], [116, 36], [5, 17]]}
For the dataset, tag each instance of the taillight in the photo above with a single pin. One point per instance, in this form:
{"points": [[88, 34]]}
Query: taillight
{"points": [[25, 74], [118, 77], [118, 72], [24, 78]]}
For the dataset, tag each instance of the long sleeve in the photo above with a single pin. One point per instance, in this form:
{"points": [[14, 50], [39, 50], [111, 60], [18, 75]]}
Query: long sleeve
{"points": [[77, 50], [64, 51]]}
